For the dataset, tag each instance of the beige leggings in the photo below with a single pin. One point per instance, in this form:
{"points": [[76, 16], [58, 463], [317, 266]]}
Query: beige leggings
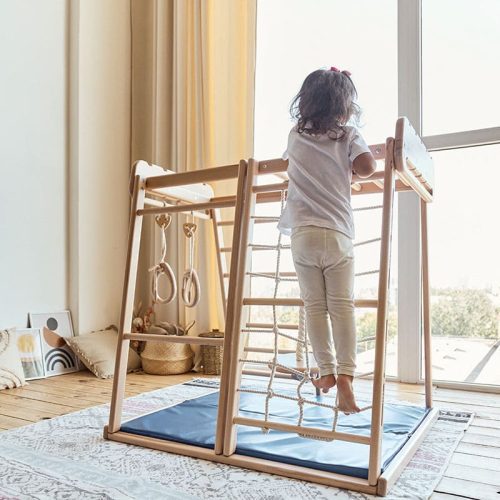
{"points": [[324, 261]]}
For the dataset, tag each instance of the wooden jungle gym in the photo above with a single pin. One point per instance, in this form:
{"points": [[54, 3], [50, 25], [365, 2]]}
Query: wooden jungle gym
{"points": [[408, 167]]}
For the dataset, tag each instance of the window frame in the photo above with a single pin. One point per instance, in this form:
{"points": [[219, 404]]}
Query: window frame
{"points": [[410, 104]]}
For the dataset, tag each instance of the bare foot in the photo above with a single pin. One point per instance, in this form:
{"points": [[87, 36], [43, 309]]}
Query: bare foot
{"points": [[346, 399], [324, 383]]}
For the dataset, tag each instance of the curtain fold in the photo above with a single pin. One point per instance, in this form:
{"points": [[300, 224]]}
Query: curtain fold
{"points": [[193, 65]]}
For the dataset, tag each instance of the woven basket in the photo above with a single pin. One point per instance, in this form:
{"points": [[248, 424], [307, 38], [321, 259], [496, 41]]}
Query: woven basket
{"points": [[211, 355], [165, 358]]}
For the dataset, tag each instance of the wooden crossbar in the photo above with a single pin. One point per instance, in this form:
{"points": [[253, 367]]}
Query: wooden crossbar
{"points": [[268, 301], [174, 339], [193, 177], [297, 429], [188, 207]]}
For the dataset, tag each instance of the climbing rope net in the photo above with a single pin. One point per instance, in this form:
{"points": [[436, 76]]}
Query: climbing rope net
{"points": [[303, 375]]}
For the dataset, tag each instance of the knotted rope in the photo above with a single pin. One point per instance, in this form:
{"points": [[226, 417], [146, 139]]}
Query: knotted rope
{"points": [[191, 289], [163, 267]]}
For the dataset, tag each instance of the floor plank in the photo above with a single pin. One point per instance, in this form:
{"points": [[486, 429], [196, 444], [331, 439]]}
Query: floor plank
{"points": [[469, 489], [487, 463], [477, 449], [474, 474]]}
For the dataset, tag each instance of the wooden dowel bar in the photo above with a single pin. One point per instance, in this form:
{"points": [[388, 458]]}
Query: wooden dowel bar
{"points": [[268, 350], [264, 218], [309, 431], [267, 301], [291, 274], [272, 274], [256, 220], [283, 326], [265, 373], [193, 177], [188, 208], [156, 203], [174, 339]]}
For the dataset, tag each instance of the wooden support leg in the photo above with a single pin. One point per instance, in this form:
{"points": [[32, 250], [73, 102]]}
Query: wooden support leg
{"points": [[221, 260], [241, 280], [231, 308], [134, 238], [426, 306], [374, 468]]}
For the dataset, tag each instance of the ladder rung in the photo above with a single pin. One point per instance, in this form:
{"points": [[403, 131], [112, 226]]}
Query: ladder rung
{"points": [[309, 431], [269, 350], [181, 339], [265, 373], [187, 208], [283, 326], [291, 274], [269, 301], [257, 246], [264, 219]]}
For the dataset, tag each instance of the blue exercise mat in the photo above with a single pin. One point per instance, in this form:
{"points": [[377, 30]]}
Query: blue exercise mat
{"points": [[193, 422]]}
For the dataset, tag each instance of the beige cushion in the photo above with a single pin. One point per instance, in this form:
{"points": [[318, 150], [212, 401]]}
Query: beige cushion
{"points": [[11, 369], [97, 352]]}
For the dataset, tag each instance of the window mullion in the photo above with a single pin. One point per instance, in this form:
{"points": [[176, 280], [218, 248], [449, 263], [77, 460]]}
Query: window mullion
{"points": [[409, 254]]}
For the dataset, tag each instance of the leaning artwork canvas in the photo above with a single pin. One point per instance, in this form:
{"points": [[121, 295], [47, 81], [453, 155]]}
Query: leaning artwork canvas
{"points": [[29, 344], [55, 327]]}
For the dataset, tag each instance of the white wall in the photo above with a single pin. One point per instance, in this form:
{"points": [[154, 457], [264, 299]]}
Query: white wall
{"points": [[33, 163], [64, 158], [99, 159]]}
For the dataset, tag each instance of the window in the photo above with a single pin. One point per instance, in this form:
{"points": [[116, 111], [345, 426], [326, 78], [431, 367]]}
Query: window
{"points": [[451, 83], [295, 37], [461, 74], [465, 277]]}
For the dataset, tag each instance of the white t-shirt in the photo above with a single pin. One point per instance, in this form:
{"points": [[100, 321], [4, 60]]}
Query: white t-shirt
{"points": [[320, 172]]}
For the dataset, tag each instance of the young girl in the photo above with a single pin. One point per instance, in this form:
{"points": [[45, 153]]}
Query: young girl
{"points": [[323, 152]]}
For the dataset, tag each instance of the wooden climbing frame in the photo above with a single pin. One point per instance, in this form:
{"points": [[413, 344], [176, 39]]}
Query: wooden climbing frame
{"points": [[408, 167]]}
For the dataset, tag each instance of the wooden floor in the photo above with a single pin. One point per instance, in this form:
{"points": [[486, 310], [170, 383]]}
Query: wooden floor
{"points": [[474, 471]]}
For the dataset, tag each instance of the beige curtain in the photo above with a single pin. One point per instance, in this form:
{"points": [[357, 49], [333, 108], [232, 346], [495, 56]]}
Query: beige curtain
{"points": [[193, 64]]}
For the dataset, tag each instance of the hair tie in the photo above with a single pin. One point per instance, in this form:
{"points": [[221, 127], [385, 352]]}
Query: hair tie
{"points": [[337, 70]]}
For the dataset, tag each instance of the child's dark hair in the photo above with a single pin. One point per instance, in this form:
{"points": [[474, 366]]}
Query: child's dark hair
{"points": [[325, 103]]}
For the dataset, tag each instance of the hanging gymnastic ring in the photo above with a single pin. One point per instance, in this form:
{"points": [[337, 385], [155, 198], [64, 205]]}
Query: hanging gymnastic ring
{"points": [[190, 288], [163, 268]]}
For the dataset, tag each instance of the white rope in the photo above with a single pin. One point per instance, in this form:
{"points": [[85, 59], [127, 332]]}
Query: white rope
{"points": [[302, 347], [163, 267], [366, 242], [191, 289], [365, 273], [372, 207]]}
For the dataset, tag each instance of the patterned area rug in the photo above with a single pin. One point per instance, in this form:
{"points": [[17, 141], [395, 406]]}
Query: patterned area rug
{"points": [[66, 457]]}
